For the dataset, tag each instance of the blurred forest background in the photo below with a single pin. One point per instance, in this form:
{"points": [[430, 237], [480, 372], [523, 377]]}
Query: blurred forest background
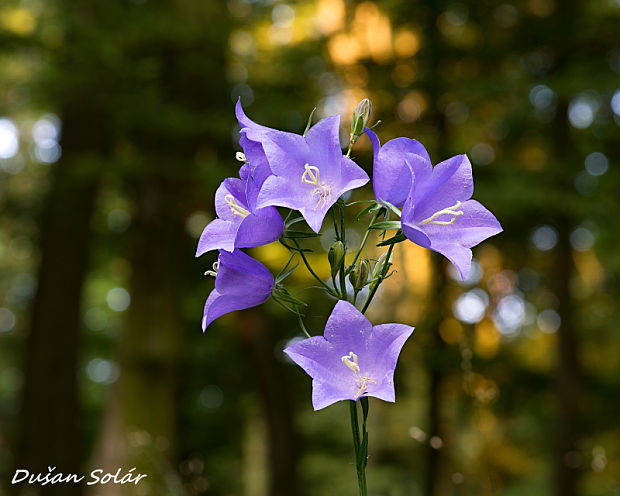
{"points": [[117, 126]]}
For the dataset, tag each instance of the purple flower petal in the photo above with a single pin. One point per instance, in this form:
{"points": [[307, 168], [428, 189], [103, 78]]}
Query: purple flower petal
{"points": [[309, 174], [392, 167], [241, 282], [352, 359], [439, 215]]}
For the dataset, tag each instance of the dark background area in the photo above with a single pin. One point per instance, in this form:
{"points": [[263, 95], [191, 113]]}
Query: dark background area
{"points": [[117, 126]]}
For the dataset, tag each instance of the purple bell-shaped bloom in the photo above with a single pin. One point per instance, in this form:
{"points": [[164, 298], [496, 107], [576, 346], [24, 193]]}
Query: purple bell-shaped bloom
{"points": [[392, 167], [438, 213], [240, 282], [309, 173], [239, 223], [352, 359]]}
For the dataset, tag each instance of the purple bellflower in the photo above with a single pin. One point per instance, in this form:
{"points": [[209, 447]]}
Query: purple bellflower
{"points": [[352, 359], [392, 167], [438, 213], [309, 173], [239, 223], [240, 282], [253, 153]]}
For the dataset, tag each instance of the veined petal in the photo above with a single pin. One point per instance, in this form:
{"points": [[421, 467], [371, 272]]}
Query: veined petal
{"points": [[393, 167], [459, 255], [451, 181], [239, 274], [286, 152], [218, 235], [323, 139], [261, 228], [343, 318], [230, 187], [352, 175], [325, 394], [469, 229], [280, 192]]}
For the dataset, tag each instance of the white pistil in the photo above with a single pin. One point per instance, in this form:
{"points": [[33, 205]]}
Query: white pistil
{"points": [[213, 273], [350, 361], [322, 190], [446, 211], [240, 157], [236, 208]]}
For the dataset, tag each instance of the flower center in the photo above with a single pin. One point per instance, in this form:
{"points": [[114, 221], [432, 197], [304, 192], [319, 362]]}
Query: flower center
{"points": [[445, 211], [322, 190], [235, 207], [350, 361], [213, 273]]}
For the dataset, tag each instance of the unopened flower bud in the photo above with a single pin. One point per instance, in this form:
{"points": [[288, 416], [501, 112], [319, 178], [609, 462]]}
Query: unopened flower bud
{"points": [[380, 263], [359, 275], [361, 116], [336, 257]]}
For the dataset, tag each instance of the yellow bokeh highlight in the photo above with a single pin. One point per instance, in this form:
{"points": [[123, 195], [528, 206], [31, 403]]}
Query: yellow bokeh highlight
{"points": [[374, 31], [589, 268], [451, 330], [344, 49], [487, 339], [330, 16], [406, 43], [18, 21]]}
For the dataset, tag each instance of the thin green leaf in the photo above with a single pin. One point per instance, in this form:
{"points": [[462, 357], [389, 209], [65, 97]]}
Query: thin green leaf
{"points": [[299, 234], [283, 275], [309, 121], [387, 224], [392, 208], [289, 223], [399, 237]]}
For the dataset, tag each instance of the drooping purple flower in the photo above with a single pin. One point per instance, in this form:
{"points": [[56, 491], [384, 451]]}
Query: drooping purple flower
{"points": [[239, 223], [392, 167], [309, 173], [240, 282], [438, 213], [352, 359]]}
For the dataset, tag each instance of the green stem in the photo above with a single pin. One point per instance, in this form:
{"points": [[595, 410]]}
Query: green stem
{"points": [[343, 284], [303, 257], [360, 462], [302, 326], [365, 238], [375, 286]]}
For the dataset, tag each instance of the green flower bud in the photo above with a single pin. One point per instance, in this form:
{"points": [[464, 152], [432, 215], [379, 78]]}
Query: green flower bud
{"points": [[359, 275], [380, 263], [361, 116], [336, 257]]}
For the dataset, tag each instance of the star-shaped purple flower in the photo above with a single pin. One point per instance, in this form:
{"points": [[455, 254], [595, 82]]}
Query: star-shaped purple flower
{"points": [[352, 359], [438, 213], [392, 167], [240, 282], [239, 223], [310, 172]]}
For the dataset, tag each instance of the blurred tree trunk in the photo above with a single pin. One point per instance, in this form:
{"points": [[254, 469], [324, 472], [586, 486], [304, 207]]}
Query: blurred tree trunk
{"points": [[49, 415], [433, 485], [141, 425], [267, 371], [567, 456]]}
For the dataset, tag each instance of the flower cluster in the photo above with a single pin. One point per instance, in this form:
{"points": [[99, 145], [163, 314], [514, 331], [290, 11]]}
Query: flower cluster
{"points": [[309, 173]]}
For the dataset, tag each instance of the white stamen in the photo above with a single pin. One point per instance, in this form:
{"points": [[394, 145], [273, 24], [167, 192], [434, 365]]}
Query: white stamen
{"points": [[324, 191], [446, 211], [236, 208], [213, 273], [350, 361], [240, 157]]}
